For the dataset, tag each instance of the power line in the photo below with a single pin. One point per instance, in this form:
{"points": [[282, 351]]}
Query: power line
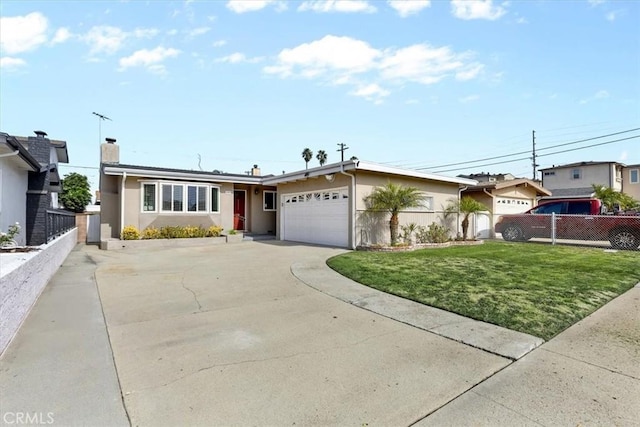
{"points": [[527, 152], [544, 155]]}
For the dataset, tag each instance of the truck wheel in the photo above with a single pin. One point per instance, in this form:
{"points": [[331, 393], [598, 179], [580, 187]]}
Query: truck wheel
{"points": [[624, 239], [512, 233]]}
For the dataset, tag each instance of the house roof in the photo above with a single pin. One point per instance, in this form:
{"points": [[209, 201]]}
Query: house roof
{"points": [[170, 173], [359, 165], [540, 190], [9, 144], [570, 193], [58, 145], [573, 165]]}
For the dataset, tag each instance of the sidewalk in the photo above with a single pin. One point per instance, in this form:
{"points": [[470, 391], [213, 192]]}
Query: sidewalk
{"points": [[59, 368]]}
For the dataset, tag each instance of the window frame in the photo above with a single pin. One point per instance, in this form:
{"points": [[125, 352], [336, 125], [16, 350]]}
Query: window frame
{"points": [[574, 175], [274, 194], [197, 198], [217, 199], [144, 184], [637, 172], [428, 203]]}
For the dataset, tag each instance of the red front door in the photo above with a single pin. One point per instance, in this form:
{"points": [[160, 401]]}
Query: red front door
{"points": [[238, 209]]}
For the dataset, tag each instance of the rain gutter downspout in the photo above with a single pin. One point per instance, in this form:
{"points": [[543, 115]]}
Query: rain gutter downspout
{"points": [[124, 178], [353, 206], [493, 208]]}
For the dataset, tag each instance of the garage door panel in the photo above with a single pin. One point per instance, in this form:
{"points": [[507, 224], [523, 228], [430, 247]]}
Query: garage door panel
{"points": [[319, 217]]}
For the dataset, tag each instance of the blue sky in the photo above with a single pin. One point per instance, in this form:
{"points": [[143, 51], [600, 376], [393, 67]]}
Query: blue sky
{"points": [[417, 84]]}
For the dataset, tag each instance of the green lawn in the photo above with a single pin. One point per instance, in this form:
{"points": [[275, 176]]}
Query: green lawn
{"points": [[533, 288]]}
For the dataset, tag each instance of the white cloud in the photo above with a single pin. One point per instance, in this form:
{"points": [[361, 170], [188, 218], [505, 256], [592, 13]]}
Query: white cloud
{"points": [[150, 59], [243, 6], [412, 102], [237, 58], [8, 63], [594, 3], [199, 31], [425, 64], [108, 40], [347, 61], [330, 54], [219, 43], [468, 99], [476, 9], [347, 6], [623, 156], [611, 16], [601, 94], [22, 33], [371, 92], [409, 7], [61, 36], [172, 32]]}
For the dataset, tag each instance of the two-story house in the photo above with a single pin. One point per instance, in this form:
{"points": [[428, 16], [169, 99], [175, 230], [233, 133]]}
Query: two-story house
{"points": [[577, 179]]}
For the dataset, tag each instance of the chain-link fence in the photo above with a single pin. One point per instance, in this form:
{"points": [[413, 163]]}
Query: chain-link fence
{"points": [[617, 231]]}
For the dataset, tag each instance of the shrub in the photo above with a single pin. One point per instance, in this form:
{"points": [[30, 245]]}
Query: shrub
{"points": [[130, 233], [214, 231], [434, 234], [232, 232], [6, 239], [408, 231], [151, 233]]}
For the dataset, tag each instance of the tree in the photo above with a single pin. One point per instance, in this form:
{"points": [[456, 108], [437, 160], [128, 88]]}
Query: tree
{"points": [[465, 206], [610, 198], [322, 157], [76, 192], [393, 198], [307, 155]]}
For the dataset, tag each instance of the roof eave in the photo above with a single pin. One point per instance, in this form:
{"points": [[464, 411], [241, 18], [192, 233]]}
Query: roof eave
{"points": [[160, 174]]}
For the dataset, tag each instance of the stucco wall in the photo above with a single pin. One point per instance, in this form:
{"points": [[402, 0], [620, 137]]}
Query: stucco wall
{"points": [[22, 282], [13, 197], [601, 174], [260, 221], [109, 207], [632, 189]]}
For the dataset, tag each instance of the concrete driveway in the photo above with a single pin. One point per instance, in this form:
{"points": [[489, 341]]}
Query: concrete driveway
{"points": [[226, 335]]}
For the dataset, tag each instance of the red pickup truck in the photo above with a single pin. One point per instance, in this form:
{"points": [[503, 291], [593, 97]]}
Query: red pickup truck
{"points": [[575, 219]]}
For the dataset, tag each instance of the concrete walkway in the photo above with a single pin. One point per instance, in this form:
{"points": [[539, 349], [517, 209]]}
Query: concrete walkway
{"points": [[228, 335]]}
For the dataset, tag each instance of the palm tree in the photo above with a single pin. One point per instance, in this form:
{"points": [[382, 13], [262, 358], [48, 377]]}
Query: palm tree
{"points": [[307, 155], [466, 206], [322, 157], [612, 198], [393, 198]]}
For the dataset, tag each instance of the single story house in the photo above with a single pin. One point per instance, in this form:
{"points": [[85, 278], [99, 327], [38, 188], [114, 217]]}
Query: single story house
{"points": [[505, 197], [322, 205]]}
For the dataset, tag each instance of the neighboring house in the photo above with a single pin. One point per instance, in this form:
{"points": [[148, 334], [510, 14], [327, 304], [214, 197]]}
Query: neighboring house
{"points": [[577, 179], [489, 177], [323, 205], [505, 197], [631, 180], [29, 184]]}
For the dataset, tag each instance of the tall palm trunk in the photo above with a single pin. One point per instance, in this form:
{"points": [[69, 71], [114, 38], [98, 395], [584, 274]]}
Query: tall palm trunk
{"points": [[394, 224], [465, 227]]}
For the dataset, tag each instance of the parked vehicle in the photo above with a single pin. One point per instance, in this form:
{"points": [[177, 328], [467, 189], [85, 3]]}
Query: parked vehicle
{"points": [[575, 219]]}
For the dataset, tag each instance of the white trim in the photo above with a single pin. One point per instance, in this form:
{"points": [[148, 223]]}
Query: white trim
{"points": [[142, 184], [637, 181], [155, 174], [217, 211], [353, 165]]}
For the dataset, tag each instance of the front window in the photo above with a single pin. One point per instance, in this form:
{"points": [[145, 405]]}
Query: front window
{"points": [[196, 198], [148, 197], [549, 208], [634, 176], [576, 173], [269, 200], [172, 198], [215, 199]]}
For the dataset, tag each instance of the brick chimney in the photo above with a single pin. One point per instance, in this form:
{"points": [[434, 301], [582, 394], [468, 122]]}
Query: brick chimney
{"points": [[38, 194], [109, 152], [255, 170]]}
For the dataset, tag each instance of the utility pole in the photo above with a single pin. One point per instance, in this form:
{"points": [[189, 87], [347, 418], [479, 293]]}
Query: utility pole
{"points": [[101, 118], [343, 147], [533, 155]]}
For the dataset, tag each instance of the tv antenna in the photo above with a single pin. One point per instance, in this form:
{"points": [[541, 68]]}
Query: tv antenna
{"points": [[101, 118]]}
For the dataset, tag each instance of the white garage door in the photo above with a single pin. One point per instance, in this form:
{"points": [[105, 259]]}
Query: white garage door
{"points": [[509, 205], [320, 217]]}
